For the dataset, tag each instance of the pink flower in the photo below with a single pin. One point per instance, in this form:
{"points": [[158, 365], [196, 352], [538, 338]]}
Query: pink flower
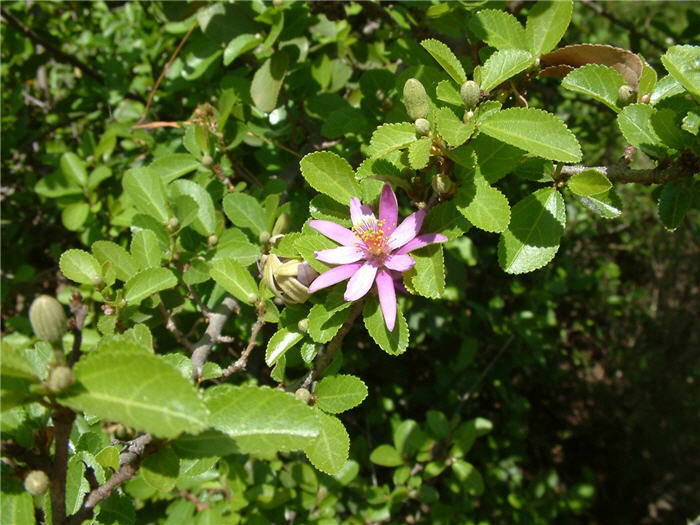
{"points": [[372, 250]]}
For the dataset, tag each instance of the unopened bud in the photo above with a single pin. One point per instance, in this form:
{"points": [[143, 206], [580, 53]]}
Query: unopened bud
{"points": [[264, 237], [471, 93], [422, 126], [207, 160], [36, 482], [625, 94], [48, 318], [173, 223], [441, 184], [415, 99], [645, 99], [282, 224], [212, 240], [97, 281], [303, 325], [252, 298], [303, 394], [60, 378]]}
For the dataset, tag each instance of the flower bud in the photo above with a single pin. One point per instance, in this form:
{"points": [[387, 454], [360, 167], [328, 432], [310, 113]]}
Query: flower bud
{"points": [[48, 319], [303, 325], [36, 482], [471, 93], [288, 280], [281, 224], [212, 240], [415, 99], [441, 184], [207, 160], [252, 298], [60, 378], [422, 126], [303, 394], [645, 99], [173, 223], [625, 94], [264, 237], [97, 281]]}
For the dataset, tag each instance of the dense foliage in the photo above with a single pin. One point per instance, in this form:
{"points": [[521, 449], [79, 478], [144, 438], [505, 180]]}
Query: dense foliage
{"points": [[178, 175]]}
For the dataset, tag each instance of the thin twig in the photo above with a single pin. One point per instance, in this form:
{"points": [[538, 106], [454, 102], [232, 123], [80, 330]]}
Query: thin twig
{"points": [[165, 70], [217, 320], [172, 327], [77, 324], [242, 361]]}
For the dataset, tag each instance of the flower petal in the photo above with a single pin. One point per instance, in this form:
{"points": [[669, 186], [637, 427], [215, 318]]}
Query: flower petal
{"points": [[407, 230], [306, 274], [388, 208], [360, 283], [399, 263], [359, 212], [334, 231], [340, 255], [387, 298], [420, 241], [334, 275]]}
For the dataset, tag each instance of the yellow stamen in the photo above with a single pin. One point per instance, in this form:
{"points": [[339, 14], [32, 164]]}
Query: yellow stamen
{"points": [[372, 233]]}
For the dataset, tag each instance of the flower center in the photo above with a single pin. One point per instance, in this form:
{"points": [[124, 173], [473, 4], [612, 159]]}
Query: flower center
{"points": [[373, 234]]}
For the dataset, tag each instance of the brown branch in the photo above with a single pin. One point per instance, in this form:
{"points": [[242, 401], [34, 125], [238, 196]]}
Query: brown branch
{"points": [[129, 462], [217, 320], [165, 70], [10, 20], [686, 166], [34, 460], [242, 361], [77, 324], [63, 424], [590, 4], [172, 327]]}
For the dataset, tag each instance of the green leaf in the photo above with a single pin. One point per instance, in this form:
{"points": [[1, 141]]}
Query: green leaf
{"points": [[336, 394], [160, 470], [147, 282], [427, 277], [446, 58], [503, 65], [246, 212], [535, 131], [667, 87], [74, 215], [173, 166], [184, 208], [268, 80], [447, 92], [393, 343], [691, 122], [235, 279], [498, 29], [419, 152], [279, 343], [682, 63], [325, 320], [205, 221], [323, 207], [647, 81], [390, 137], [453, 130], [597, 81], [239, 45], [674, 203], [444, 218], [233, 244], [386, 456], [137, 388], [546, 24], [667, 125], [260, 419], [608, 205], [79, 266], [311, 242], [73, 167], [483, 205], [328, 452], [634, 122], [205, 444], [146, 190], [331, 175], [469, 476], [17, 508], [532, 238], [589, 182], [145, 250], [122, 262], [495, 159]]}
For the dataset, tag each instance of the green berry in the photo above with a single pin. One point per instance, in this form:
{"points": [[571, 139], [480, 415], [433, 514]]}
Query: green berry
{"points": [[415, 99], [207, 160], [60, 378], [303, 325], [303, 395], [173, 223], [36, 482], [48, 318], [422, 126], [441, 184], [471, 93], [625, 94]]}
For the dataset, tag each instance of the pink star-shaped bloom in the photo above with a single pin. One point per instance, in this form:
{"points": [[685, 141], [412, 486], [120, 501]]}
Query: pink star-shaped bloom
{"points": [[372, 250]]}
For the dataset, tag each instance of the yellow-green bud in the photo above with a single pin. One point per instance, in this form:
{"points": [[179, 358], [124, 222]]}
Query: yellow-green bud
{"points": [[303, 325], [60, 378], [471, 93], [252, 298], [264, 237], [625, 94], [303, 395], [48, 318], [645, 99], [422, 126], [173, 223], [97, 281], [212, 240], [281, 224], [207, 160], [415, 99], [36, 482], [441, 184]]}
